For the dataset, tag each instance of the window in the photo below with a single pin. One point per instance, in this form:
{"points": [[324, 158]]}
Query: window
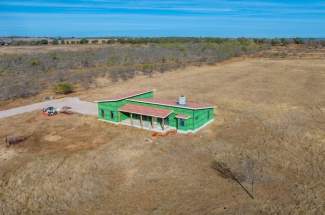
{"points": [[112, 115], [102, 112], [182, 122]]}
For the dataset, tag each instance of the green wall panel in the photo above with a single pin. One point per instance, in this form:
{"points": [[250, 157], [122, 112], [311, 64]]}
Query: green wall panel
{"points": [[202, 116], [114, 106]]}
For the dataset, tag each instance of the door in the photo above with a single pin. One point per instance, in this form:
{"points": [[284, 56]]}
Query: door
{"points": [[166, 121]]}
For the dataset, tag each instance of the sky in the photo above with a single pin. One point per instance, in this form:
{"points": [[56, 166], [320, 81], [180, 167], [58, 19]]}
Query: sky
{"points": [[160, 18]]}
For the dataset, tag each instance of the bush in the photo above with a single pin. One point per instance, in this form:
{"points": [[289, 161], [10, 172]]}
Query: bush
{"points": [[84, 41], [275, 42], [55, 42], [35, 62], [63, 88], [43, 42], [298, 41]]}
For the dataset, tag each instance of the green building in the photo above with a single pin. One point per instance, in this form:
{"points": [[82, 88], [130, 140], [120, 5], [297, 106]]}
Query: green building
{"points": [[140, 109]]}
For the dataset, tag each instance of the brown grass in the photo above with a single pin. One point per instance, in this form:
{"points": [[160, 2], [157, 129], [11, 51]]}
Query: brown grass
{"points": [[48, 48], [269, 130]]}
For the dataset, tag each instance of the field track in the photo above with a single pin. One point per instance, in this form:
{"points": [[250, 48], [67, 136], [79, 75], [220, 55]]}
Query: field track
{"points": [[78, 106]]}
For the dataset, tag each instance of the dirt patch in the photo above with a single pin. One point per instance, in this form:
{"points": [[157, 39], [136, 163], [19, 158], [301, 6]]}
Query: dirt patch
{"points": [[52, 138], [6, 153]]}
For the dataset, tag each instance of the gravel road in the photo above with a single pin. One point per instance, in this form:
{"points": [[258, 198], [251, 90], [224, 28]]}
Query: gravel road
{"points": [[78, 106]]}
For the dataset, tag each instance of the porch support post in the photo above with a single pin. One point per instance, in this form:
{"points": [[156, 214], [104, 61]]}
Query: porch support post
{"points": [[119, 116], [152, 122], [141, 123], [162, 123], [131, 119]]}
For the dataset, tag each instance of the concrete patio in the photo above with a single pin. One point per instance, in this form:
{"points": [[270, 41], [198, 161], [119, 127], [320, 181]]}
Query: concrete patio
{"points": [[156, 126]]}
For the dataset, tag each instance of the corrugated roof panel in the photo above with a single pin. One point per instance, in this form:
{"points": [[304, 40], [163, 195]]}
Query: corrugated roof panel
{"points": [[146, 111], [189, 104]]}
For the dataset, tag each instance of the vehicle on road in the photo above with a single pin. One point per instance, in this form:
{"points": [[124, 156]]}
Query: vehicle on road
{"points": [[65, 110], [50, 111]]}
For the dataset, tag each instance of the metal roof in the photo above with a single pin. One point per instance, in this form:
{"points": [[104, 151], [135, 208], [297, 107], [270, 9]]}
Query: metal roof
{"points": [[146, 111], [125, 96], [173, 103]]}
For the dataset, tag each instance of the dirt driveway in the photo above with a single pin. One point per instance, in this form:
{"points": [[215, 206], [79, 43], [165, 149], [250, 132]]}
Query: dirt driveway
{"points": [[78, 106]]}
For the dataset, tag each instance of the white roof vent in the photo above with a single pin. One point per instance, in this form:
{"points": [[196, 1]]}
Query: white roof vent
{"points": [[182, 100]]}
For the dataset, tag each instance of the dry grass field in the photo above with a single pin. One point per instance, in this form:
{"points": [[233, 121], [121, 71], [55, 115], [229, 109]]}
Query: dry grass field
{"points": [[46, 49], [269, 129]]}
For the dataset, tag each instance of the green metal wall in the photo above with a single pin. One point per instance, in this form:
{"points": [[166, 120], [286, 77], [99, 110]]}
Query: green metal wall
{"points": [[114, 106], [202, 116]]}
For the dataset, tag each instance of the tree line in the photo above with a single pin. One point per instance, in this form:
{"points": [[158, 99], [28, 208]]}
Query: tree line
{"points": [[161, 40]]}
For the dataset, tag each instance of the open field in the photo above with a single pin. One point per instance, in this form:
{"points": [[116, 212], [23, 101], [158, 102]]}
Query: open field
{"points": [[269, 129], [30, 70], [46, 49]]}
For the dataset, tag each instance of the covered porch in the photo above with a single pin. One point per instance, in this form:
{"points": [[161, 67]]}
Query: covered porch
{"points": [[144, 117]]}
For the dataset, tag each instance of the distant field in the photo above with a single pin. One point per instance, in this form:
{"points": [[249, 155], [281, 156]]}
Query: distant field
{"points": [[269, 129], [46, 49], [29, 70]]}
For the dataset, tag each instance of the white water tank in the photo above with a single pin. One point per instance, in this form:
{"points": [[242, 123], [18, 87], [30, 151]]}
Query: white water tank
{"points": [[182, 100]]}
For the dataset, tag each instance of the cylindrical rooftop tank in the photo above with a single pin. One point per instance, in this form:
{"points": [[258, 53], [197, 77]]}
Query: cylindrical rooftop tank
{"points": [[182, 100]]}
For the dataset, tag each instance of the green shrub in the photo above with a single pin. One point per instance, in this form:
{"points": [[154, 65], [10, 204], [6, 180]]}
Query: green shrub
{"points": [[298, 40], [43, 42], [63, 88], [147, 66], [84, 41], [275, 42], [55, 42], [112, 61], [35, 62]]}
